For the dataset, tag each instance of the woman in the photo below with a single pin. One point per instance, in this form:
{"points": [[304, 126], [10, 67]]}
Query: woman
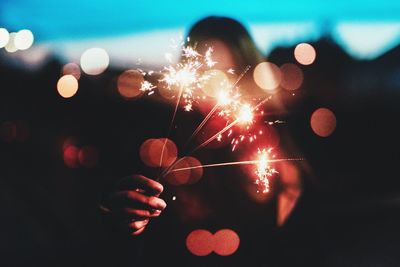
{"points": [[220, 201]]}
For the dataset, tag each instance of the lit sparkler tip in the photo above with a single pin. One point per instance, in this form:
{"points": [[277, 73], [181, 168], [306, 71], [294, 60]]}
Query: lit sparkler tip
{"points": [[245, 114], [264, 170]]}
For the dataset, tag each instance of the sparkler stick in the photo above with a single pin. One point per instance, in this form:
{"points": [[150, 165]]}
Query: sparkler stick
{"points": [[226, 128], [200, 126], [246, 162]]}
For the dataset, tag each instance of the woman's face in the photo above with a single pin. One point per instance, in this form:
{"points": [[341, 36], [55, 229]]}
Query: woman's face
{"points": [[222, 54]]}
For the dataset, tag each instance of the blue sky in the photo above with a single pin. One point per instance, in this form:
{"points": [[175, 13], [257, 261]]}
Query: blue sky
{"points": [[364, 28]]}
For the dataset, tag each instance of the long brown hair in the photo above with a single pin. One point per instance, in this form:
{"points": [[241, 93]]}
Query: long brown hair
{"points": [[232, 33]]}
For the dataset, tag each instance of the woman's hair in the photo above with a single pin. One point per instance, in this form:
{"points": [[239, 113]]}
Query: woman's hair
{"points": [[232, 33]]}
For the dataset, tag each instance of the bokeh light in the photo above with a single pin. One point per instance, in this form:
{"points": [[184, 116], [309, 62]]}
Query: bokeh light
{"points": [[72, 69], [151, 150], [10, 46], [67, 86], [88, 156], [291, 190], [4, 37], [70, 157], [200, 242], [267, 76], [226, 242], [8, 131], [323, 122], [292, 76], [129, 83], [216, 82], [94, 61], [305, 54], [23, 39], [182, 177]]}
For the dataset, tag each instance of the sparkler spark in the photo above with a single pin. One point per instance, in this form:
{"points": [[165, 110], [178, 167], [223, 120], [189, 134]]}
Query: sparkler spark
{"points": [[264, 170], [187, 78]]}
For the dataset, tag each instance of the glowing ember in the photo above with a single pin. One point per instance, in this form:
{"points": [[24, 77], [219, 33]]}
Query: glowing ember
{"points": [[264, 170], [245, 114]]}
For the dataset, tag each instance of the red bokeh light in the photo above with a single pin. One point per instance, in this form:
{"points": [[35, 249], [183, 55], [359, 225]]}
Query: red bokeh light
{"points": [[8, 131], [292, 76], [88, 156], [70, 157], [323, 122], [226, 242], [200, 242], [152, 149]]}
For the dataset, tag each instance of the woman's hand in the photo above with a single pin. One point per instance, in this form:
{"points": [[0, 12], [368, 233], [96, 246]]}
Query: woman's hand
{"points": [[135, 201]]}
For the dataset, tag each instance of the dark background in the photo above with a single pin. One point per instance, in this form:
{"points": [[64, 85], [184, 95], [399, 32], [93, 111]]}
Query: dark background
{"points": [[348, 214]]}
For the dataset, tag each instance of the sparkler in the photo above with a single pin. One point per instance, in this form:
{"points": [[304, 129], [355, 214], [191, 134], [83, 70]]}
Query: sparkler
{"points": [[187, 78], [263, 169]]}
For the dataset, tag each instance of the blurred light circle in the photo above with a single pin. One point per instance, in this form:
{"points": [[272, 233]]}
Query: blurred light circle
{"points": [[323, 122], [88, 156], [292, 76], [72, 69], [70, 157], [226, 242], [8, 131], [189, 176], [23, 39], [216, 81], [267, 76], [94, 61], [200, 242], [129, 83], [10, 46], [179, 177], [67, 86], [151, 150], [195, 173], [305, 53], [4, 37], [165, 91], [291, 190]]}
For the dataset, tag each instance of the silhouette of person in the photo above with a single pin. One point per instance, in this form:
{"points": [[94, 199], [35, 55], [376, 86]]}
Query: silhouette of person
{"points": [[219, 201]]}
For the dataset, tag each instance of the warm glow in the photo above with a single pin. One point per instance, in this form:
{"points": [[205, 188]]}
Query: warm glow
{"points": [[129, 83], [72, 69], [216, 82], [94, 61], [323, 122], [292, 76], [290, 193], [4, 37], [267, 76], [70, 156], [67, 86], [152, 149], [10, 46], [223, 98], [226, 242], [245, 114], [305, 54], [200, 242], [23, 39], [189, 171]]}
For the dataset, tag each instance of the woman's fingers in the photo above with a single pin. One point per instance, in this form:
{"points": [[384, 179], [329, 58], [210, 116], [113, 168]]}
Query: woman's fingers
{"points": [[148, 185], [136, 214], [137, 225], [137, 200]]}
